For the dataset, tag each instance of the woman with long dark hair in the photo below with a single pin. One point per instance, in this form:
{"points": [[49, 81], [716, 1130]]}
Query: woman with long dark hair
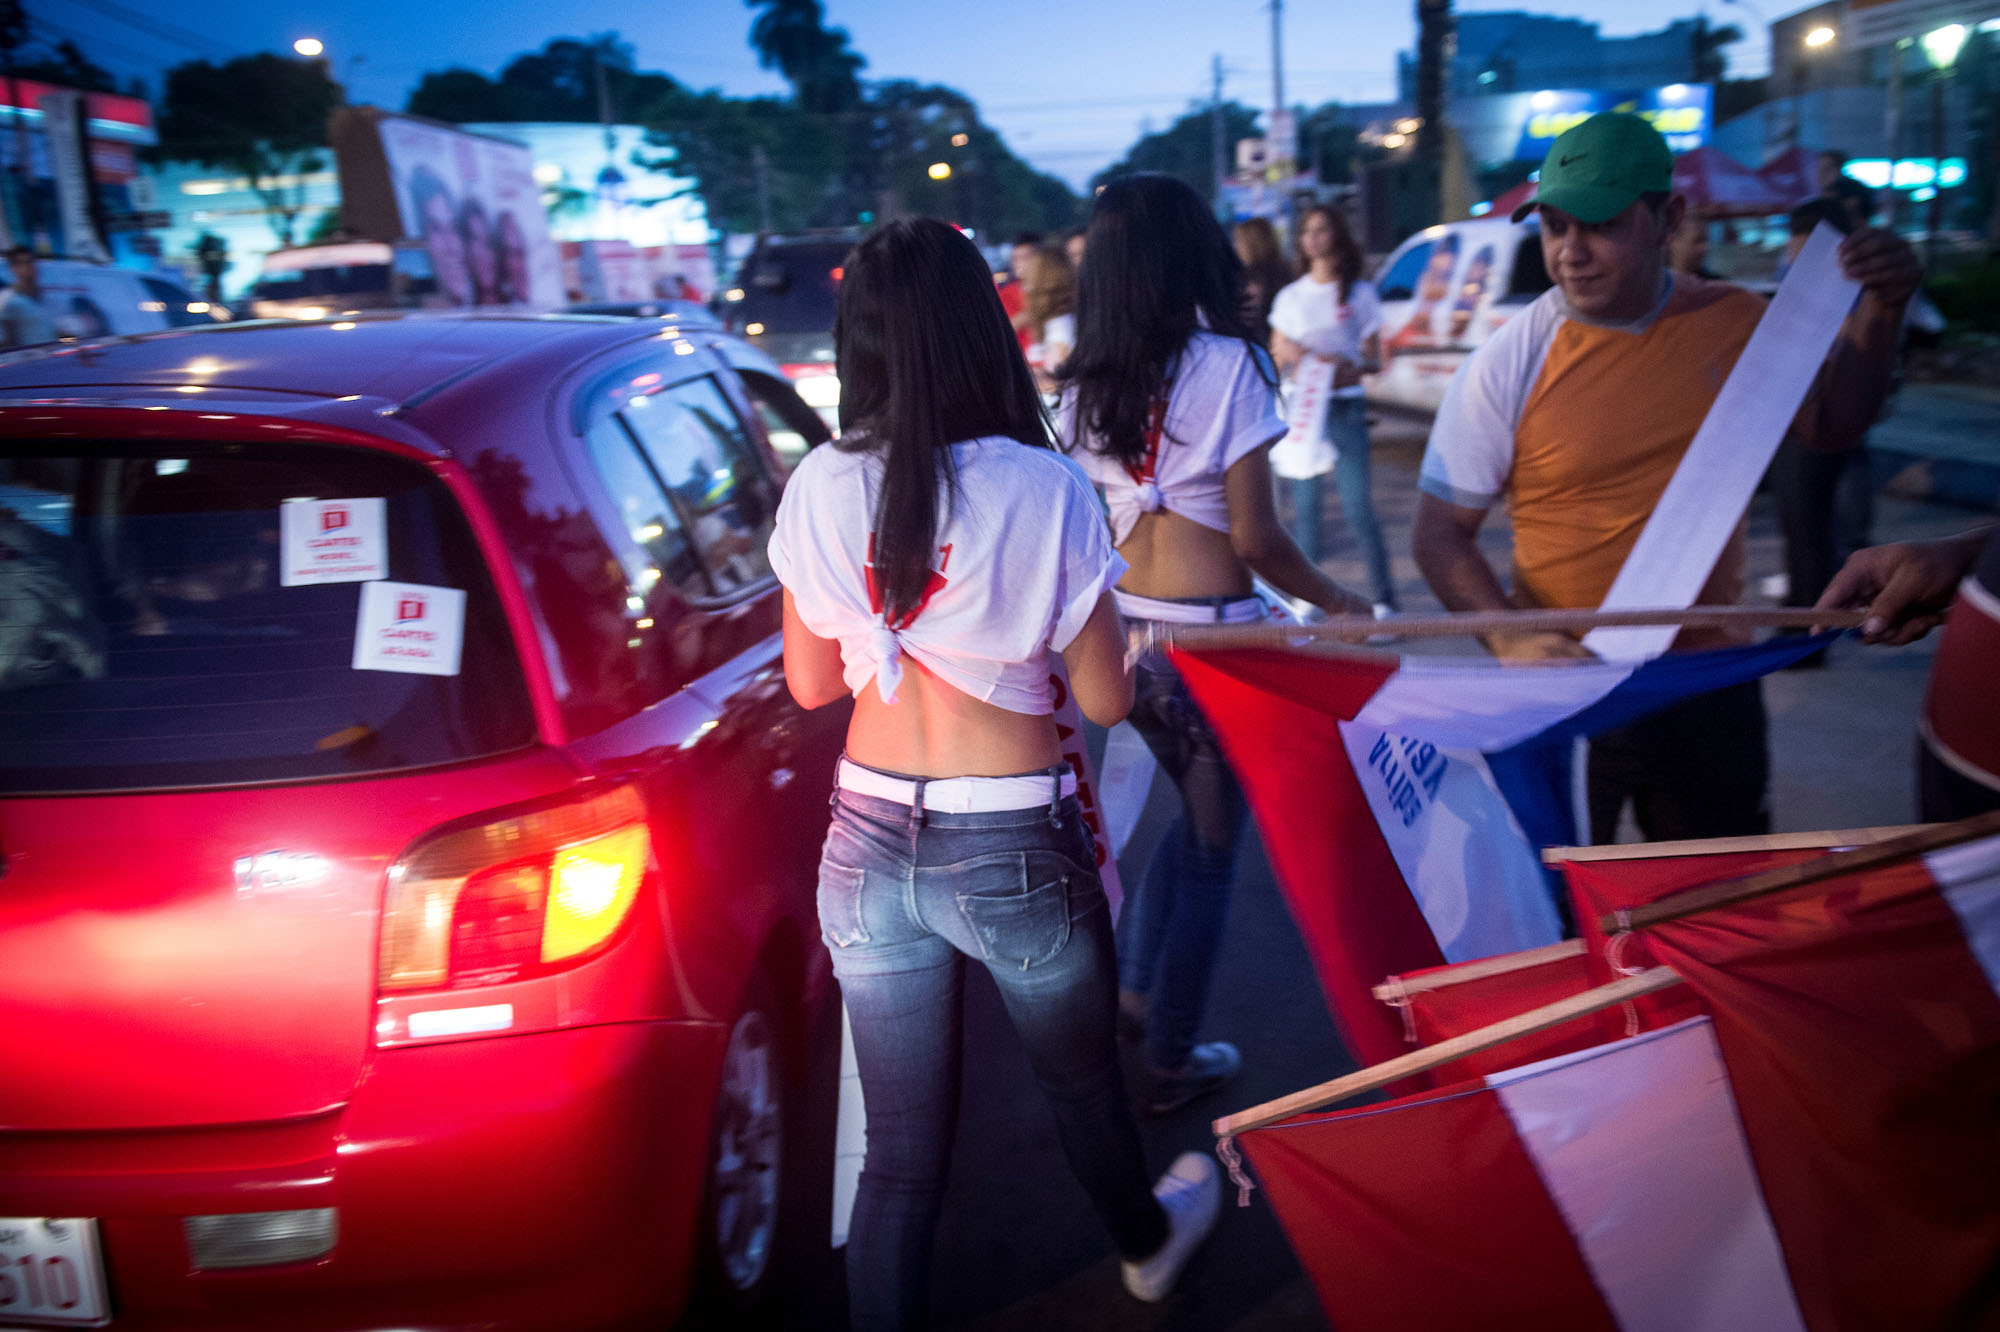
{"points": [[1265, 272], [1333, 314], [1171, 407], [933, 561]]}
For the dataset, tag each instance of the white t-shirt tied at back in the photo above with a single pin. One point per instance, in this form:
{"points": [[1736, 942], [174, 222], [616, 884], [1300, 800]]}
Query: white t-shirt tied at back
{"points": [[1221, 407], [1022, 559]]}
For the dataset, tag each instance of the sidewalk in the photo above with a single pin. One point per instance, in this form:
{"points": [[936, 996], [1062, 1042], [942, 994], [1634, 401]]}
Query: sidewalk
{"points": [[1940, 444]]}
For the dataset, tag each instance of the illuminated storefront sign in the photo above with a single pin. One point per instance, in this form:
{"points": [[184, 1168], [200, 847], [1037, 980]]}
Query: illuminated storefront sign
{"points": [[1680, 111], [1910, 173]]}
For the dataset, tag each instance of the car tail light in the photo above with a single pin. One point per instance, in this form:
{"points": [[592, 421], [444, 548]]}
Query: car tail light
{"points": [[514, 895]]}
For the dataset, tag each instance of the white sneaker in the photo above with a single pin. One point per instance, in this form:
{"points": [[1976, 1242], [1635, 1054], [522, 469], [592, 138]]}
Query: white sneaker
{"points": [[1191, 1190], [1382, 610]]}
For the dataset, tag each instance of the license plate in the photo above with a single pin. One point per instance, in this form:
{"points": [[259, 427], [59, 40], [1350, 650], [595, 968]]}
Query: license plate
{"points": [[50, 1273]]}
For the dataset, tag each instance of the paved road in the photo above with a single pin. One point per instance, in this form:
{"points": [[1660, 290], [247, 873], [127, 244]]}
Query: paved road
{"points": [[1018, 1249]]}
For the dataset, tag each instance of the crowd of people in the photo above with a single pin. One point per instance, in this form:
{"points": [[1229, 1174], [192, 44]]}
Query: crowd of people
{"points": [[960, 537]]}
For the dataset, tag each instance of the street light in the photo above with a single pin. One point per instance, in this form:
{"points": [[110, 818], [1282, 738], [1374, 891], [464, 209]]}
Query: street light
{"points": [[1941, 45], [940, 171], [1819, 37], [309, 46]]}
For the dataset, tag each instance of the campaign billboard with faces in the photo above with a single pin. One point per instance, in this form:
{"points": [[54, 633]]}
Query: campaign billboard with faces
{"points": [[470, 198]]}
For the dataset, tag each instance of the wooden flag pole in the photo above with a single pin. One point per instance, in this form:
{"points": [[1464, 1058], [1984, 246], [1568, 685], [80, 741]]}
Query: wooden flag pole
{"points": [[1729, 892], [1359, 628], [1472, 1042]]}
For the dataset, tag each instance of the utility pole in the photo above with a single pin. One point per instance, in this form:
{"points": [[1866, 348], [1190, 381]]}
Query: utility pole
{"points": [[1218, 133], [1434, 43], [1277, 55], [762, 165], [1892, 112]]}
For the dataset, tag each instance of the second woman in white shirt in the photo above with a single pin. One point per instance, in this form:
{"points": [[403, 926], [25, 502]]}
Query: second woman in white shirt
{"points": [[1333, 313]]}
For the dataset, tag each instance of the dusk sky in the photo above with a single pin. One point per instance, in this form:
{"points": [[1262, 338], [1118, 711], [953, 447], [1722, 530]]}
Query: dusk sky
{"points": [[1069, 84]]}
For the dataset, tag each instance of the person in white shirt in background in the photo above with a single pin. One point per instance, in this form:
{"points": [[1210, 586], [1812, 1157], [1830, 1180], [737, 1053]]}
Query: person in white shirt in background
{"points": [[1333, 313], [1050, 305], [933, 560], [1171, 406], [23, 322]]}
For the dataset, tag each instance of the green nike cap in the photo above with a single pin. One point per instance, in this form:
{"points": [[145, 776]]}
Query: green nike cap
{"points": [[1596, 170]]}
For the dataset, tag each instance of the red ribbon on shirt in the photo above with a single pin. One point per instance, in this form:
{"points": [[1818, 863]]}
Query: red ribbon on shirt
{"points": [[1156, 425]]}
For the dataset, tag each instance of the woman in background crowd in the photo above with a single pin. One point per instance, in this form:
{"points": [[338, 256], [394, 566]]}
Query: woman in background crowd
{"points": [[1073, 242], [1050, 305], [933, 559], [1332, 313], [1171, 406], [1265, 272]]}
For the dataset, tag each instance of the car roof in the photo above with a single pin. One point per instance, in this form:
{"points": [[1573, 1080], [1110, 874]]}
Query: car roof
{"points": [[392, 357]]}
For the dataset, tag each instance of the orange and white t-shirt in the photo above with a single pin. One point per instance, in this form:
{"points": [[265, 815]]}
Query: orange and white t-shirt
{"points": [[1580, 425]]}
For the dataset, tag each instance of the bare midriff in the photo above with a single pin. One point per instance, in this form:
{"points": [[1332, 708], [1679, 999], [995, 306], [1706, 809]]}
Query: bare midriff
{"points": [[936, 730], [1172, 556]]}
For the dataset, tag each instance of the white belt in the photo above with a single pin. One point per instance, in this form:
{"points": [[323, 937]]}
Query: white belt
{"points": [[1242, 610], [956, 795]]}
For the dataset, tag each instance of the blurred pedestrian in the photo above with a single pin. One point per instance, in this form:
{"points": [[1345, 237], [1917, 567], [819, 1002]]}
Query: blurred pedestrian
{"points": [[1050, 306], [1687, 252], [1265, 272], [23, 321], [932, 561], [1171, 406], [1073, 243], [1021, 253], [1578, 412], [1334, 314], [1854, 201]]}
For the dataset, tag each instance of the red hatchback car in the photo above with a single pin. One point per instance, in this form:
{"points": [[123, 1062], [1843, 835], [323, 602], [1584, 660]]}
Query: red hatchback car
{"points": [[406, 915]]}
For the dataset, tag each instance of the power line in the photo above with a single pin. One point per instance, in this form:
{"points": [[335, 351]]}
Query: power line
{"points": [[160, 28]]}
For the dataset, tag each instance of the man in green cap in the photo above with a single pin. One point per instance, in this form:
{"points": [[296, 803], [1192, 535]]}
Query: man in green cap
{"points": [[1578, 410]]}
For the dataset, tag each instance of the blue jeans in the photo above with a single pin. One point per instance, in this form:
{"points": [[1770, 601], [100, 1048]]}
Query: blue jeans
{"points": [[1347, 427], [905, 897], [1170, 932]]}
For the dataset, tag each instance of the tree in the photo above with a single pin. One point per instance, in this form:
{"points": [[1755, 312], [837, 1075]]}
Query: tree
{"points": [[1711, 61], [1185, 148], [791, 37], [68, 67], [558, 83], [212, 253], [715, 141], [263, 116], [913, 125]]}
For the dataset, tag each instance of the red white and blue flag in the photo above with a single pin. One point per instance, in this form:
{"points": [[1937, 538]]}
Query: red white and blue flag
{"points": [[1403, 802], [1816, 1150]]}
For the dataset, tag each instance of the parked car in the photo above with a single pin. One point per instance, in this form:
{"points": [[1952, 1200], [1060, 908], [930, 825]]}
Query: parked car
{"points": [[409, 838], [692, 314], [1444, 290], [782, 302], [87, 300]]}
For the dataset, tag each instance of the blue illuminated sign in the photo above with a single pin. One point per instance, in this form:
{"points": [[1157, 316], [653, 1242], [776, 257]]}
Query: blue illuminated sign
{"points": [[1680, 111]]}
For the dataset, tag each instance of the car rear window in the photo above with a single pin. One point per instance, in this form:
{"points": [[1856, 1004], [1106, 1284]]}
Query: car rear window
{"points": [[790, 288], [177, 615], [327, 280]]}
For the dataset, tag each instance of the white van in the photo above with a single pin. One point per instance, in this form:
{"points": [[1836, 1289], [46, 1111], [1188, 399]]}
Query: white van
{"points": [[94, 300], [1443, 291]]}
